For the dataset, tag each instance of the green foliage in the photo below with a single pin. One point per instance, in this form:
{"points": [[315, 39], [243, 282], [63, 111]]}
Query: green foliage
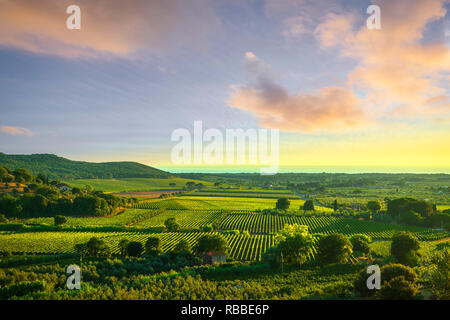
{"points": [[283, 204], [93, 248], [153, 246], [360, 243], [21, 289], [171, 225], [60, 220], [404, 248], [182, 247], [398, 289], [373, 205], [3, 218], [440, 277], [308, 205], [51, 193], [295, 243], [211, 243], [334, 248], [398, 207], [22, 175], [134, 249], [60, 168], [123, 247], [3, 174]]}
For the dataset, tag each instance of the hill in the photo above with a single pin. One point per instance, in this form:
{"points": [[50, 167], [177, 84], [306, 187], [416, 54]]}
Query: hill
{"points": [[61, 168]]}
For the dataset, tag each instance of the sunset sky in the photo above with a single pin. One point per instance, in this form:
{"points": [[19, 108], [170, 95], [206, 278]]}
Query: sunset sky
{"points": [[344, 97]]}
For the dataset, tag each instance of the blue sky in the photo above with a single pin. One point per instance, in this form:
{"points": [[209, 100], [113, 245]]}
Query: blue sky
{"points": [[106, 94]]}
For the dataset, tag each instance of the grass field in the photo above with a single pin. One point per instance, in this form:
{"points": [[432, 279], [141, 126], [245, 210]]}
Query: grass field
{"points": [[133, 184]]}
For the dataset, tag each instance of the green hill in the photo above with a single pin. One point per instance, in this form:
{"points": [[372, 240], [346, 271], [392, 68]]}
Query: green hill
{"points": [[60, 168]]}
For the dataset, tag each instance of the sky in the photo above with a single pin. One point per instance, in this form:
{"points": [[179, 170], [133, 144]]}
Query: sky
{"points": [[343, 97]]}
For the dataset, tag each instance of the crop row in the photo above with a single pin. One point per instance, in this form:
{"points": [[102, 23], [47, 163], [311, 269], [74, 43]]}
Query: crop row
{"points": [[241, 247], [262, 223]]}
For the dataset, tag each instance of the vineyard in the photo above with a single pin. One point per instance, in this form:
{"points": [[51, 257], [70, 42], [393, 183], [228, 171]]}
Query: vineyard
{"points": [[241, 247], [262, 223]]}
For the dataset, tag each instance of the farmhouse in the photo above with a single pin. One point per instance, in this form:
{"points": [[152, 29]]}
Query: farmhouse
{"points": [[63, 187], [214, 257]]}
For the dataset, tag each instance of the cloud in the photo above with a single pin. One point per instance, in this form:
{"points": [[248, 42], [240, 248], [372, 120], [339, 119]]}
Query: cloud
{"points": [[16, 131], [108, 27], [394, 64], [331, 108]]}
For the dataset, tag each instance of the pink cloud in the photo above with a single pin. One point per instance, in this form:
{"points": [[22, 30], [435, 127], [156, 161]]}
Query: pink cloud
{"points": [[108, 27], [332, 108], [16, 131]]}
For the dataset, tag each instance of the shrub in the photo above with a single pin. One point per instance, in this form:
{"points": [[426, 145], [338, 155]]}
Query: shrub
{"points": [[398, 289], [404, 248], [59, 220], [334, 248], [135, 249], [360, 243]]}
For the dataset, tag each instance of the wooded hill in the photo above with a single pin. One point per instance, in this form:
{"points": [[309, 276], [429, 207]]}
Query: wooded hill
{"points": [[64, 169]]}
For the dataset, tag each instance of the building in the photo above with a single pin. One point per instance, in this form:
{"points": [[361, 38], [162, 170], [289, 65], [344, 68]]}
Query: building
{"points": [[214, 257], [63, 187]]}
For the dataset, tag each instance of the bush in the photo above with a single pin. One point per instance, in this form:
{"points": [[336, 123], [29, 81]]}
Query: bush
{"points": [[21, 289], [59, 220], [334, 248], [404, 248], [209, 243], [391, 271], [398, 289], [3, 219], [360, 243], [93, 248], [182, 247], [152, 246], [135, 249]]}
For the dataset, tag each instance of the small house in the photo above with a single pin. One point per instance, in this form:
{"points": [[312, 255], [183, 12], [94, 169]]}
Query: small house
{"points": [[214, 257], [63, 187]]}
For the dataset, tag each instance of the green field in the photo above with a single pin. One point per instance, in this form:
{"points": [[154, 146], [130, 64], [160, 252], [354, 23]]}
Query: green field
{"points": [[133, 184]]}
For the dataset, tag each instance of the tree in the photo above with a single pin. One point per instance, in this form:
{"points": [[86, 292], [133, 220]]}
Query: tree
{"points": [[123, 244], [411, 218], [93, 248], [360, 243], [398, 207], [374, 206], [10, 206], [50, 193], [308, 205], [211, 243], [134, 249], [3, 218], [172, 184], [89, 205], [335, 205], [171, 225], [295, 242], [3, 174], [152, 246], [59, 220], [23, 175], [190, 184], [404, 247], [182, 247], [334, 248], [440, 277], [283, 204], [398, 289], [398, 282]]}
